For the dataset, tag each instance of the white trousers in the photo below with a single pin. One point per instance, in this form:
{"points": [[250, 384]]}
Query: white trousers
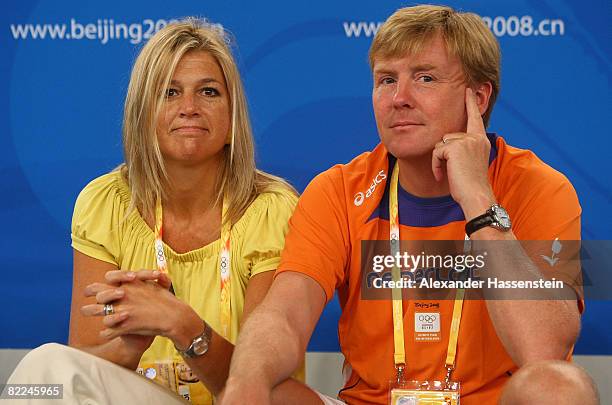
{"points": [[329, 400], [87, 379]]}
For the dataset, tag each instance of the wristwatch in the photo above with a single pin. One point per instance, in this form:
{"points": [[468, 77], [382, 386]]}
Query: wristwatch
{"points": [[496, 217], [199, 344]]}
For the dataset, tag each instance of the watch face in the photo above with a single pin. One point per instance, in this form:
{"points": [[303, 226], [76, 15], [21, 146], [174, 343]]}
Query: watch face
{"points": [[200, 347], [502, 217]]}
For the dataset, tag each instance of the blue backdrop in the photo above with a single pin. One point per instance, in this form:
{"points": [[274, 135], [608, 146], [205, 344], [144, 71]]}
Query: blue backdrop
{"points": [[305, 69]]}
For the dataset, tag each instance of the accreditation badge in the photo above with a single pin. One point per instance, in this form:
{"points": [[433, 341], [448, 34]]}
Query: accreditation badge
{"points": [[424, 393], [189, 386], [161, 373], [427, 327], [177, 377]]}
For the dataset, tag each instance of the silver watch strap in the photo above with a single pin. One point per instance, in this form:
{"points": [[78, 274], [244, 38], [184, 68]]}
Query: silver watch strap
{"points": [[204, 337]]}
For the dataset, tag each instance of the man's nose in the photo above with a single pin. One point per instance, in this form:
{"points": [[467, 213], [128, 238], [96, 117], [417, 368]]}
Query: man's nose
{"points": [[404, 94]]}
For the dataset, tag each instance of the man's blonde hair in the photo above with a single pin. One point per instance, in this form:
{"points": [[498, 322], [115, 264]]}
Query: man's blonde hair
{"points": [[239, 179], [465, 34]]}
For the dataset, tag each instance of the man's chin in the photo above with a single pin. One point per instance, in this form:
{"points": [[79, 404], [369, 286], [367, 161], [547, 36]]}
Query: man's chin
{"points": [[405, 149]]}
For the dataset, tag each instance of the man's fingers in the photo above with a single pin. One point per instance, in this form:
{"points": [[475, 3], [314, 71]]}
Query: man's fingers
{"points": [[446, 139], [475, 125], [438, 163]]}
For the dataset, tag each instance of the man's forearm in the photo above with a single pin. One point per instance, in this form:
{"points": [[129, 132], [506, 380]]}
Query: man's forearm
{"points": [[272, 344], [534, 330], [534, 327], [269, 341]]}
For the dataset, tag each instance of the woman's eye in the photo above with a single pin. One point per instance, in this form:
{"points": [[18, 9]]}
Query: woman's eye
{"points": [[171, 92], [210, 91]]}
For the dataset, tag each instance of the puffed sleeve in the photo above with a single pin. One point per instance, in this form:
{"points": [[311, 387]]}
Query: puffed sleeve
{"points": [[98, 213], [264, 234]]}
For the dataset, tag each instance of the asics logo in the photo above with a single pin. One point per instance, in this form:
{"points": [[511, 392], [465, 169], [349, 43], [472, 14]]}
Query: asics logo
{"points": [[361, 196]]}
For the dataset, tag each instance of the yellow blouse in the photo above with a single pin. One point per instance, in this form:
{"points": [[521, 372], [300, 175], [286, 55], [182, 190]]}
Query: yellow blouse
{"points": [[101, 230]]}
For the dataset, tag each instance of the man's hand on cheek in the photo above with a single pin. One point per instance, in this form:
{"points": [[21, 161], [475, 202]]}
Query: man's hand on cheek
{"points": [[463, 158]]}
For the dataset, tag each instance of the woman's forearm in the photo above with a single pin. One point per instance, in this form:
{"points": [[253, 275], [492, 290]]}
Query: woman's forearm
{"points": [[115, 351]]}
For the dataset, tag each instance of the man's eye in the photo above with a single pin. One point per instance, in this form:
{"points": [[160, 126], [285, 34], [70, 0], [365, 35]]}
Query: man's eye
{"points": [[210, 91], [425, 79], [387, 80], [171, 92]]}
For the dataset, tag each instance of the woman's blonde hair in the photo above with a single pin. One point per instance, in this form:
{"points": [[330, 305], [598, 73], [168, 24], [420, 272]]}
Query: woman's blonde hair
{"points": [[239, 180], [466, 36]]}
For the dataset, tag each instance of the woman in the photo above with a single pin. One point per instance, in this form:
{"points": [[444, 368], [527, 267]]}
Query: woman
{"points": [[188, 206]]}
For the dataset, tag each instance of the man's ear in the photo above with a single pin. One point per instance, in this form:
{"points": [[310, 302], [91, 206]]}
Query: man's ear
{"points": [[483, 93]]}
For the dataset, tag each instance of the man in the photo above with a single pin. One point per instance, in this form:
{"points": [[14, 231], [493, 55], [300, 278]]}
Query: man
{"points": [[436, 78]]}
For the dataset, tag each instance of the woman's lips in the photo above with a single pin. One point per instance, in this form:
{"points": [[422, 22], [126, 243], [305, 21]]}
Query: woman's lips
{"points": [[190, 130]]}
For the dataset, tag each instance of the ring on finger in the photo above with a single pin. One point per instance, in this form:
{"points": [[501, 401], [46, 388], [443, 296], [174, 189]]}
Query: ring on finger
{"points": [[108, 309]]}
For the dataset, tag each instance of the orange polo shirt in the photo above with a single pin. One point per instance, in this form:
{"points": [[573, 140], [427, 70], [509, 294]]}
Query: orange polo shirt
{"points": [[348, 204]]}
